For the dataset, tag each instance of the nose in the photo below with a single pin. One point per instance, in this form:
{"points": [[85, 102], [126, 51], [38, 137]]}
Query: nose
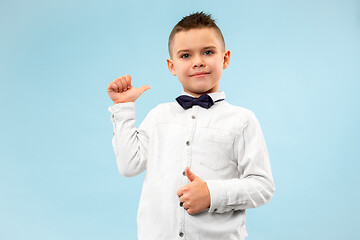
{"points": [[198, 62]]}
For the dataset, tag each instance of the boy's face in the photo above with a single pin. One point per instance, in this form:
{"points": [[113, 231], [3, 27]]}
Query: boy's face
{"points": [[198, 58]]}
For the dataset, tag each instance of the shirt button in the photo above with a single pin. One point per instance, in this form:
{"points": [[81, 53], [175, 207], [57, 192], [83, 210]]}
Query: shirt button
{"points": [[181, 204], [181, 234], [188, 143], [184, 173], [193, 117], [215, 209]]}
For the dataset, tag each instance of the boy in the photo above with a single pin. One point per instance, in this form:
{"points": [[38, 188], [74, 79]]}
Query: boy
{"points": [[222, 145]]}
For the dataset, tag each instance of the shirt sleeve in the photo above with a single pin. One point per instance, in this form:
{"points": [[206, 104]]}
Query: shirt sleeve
{"points": [[130, 144], [255, 186]]}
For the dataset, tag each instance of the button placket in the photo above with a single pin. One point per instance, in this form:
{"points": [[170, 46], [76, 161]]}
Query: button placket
{"points": [[192, 122], [190, 119]]}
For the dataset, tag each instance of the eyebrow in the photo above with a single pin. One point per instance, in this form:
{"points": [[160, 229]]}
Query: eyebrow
{"points": [[186, 50]]}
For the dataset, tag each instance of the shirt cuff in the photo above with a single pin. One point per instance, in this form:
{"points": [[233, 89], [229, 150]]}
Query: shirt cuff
{"points": [[119, 110], [218, 196]]}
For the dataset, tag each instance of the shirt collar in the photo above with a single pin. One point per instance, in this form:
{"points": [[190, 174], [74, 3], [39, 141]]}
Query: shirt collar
{"points": [[214, 95]]}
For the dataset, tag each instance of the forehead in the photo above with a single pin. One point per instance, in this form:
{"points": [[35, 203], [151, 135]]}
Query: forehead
{"points": [[195, 39]]}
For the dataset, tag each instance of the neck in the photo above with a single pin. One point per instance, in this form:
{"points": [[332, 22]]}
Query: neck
{"points": [[197, 94]]}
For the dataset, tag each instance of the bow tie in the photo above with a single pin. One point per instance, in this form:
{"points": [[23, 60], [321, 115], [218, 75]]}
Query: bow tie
{"points": [[186, 102]]}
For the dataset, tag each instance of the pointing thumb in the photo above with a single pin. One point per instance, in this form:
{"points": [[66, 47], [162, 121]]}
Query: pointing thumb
{"points": [[191, 176], [143, 88]]}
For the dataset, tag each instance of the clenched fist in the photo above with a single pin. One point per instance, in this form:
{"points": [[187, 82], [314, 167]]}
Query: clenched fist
{"points": [[120, 90], [195, 196]]}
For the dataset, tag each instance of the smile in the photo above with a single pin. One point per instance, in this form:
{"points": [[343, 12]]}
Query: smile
{"points": [[199, 74]]}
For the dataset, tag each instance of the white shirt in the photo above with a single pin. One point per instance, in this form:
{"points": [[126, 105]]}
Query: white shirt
{"points": [[223, 145]]}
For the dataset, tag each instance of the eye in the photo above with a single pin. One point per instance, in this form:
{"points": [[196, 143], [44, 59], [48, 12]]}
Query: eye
{"points": [[185, 55], [209, 52]]}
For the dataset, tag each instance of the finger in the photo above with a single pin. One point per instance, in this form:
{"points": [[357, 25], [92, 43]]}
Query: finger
{"points": [[180, 192], [118, 83], [128, 80], [112, 87], [124, 84], [116, 87], [182, 199], [191, 176], [143, 88], [190, 211], [186, 205]]}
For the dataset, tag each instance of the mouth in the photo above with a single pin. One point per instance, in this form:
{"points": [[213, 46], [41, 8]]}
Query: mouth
{"points": [[199, 74]]}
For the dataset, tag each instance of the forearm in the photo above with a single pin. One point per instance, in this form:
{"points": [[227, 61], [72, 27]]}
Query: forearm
{"points": [[255, 186], [235, 194], [129, 143]]}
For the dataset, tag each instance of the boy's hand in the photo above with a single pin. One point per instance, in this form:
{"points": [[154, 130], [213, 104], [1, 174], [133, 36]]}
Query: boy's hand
{"points": [[195, 196], [120, 90]]}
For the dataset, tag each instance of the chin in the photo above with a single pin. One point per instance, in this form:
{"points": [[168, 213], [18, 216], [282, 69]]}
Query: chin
{"points": [[201, 89], [205, 90], [201, 92]]}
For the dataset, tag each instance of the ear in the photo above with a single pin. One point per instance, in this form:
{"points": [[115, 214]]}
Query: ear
{"points": [[171, 66], [226, 59]]}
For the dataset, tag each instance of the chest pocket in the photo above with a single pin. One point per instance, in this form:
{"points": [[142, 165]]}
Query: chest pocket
{"points": [[215, 148]]}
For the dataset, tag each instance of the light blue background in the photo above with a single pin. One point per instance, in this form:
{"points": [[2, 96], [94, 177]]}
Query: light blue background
{"points": [[296, 64]]}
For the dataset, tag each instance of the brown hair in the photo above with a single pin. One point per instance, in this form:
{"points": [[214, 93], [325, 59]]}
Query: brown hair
{"points": [[194, 20]]}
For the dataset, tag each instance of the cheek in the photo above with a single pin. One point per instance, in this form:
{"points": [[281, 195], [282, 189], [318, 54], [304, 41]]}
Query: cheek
{"points": [[182, 70], [217, 65]]}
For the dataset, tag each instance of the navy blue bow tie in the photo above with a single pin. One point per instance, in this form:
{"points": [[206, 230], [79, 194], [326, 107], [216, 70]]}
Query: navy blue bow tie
{"points": [[186, 102]]}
